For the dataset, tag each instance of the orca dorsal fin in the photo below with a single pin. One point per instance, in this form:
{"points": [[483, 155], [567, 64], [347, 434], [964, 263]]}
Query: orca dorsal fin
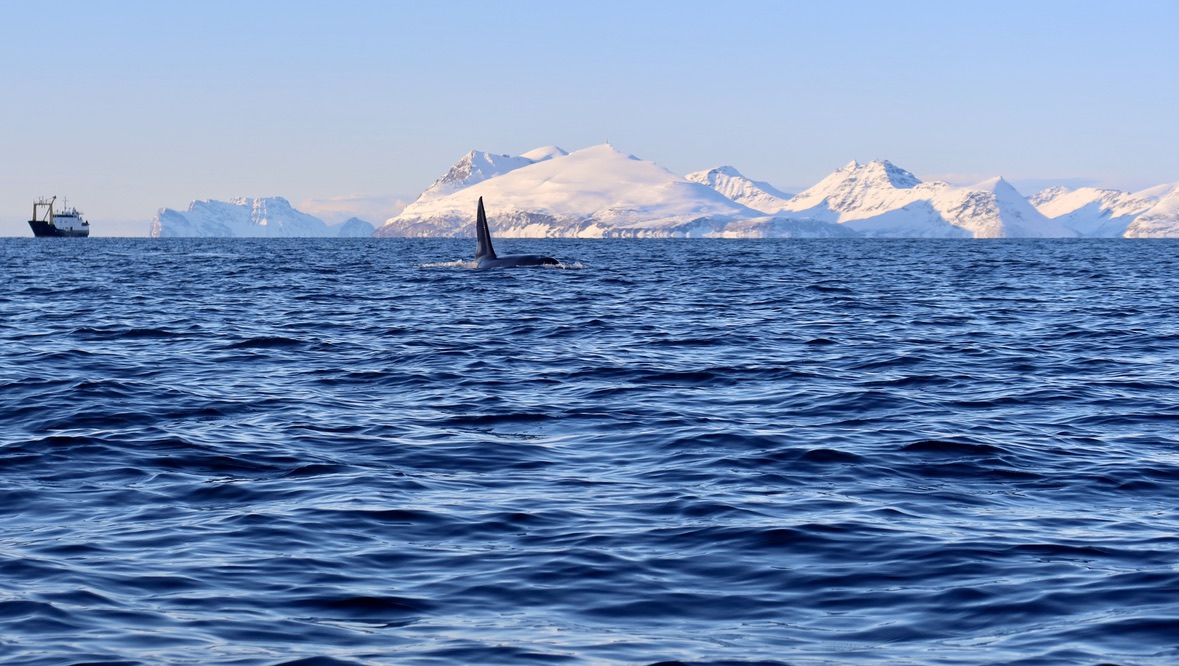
{"points": [[482, 235]]}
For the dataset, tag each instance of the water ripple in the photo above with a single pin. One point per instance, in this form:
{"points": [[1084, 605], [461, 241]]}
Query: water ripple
{"points": [[317, 452]]}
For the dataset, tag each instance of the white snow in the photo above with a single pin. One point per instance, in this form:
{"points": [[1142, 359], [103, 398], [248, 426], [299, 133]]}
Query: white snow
{"points": [[755, 194], [602, 192], [856, 191], [881, 199], [1106, 213], [1091, 211], [475, 167], [593, 192], [1157, 192], [544, 153], [1162, 219], [245, 217]]}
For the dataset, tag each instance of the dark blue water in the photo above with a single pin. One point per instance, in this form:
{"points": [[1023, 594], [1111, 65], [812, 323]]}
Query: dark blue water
{"points": [[792, 452]]}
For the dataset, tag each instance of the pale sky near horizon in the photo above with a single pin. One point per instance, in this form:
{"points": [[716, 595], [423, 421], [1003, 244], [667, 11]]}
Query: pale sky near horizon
{"points": [[128, 107]]}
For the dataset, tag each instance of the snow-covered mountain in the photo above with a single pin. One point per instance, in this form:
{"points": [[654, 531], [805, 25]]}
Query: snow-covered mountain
{"points": [[1091, 211], [245, 217], [881, 199], [477, 166], [754, 194], [995, 209], [353, 227], [1150, 213], [1161, 220], [544, 153], [591, 193], [602, 192], [474, 167]]}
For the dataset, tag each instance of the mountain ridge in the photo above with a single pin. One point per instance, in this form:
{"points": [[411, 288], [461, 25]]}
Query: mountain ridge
{"points": [[597, 191], [600, 191], [755, 194], [1107, 213], [248, 217]]}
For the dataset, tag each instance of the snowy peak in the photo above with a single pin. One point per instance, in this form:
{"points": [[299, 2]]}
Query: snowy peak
{"points": [[883, 171], [996, 184], [1161, 220], [727, 171], [995, 209], [593, 192], [855, 189], [717, 178], [1091, 211], [265, 210], [1057, 201], [1047, 196], [238, 217], [1003, 190], [758, 195], [856, 177], [882, 199], [605, 151], [544, 153], [353, 227], [601, 191], [474, 167], [877, 173], [1157, 192], [478, 166]]}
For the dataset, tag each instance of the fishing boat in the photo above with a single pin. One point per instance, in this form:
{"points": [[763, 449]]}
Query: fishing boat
{"points": [[47, 222]]}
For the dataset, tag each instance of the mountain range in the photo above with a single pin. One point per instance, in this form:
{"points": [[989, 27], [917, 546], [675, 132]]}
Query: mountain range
{"points": [[595, 192], [601, 191], [882, 200], [1111, 213], [249, 218]]}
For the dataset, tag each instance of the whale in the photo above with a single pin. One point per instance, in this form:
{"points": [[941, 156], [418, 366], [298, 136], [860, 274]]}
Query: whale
{"points": [[485, 257]]}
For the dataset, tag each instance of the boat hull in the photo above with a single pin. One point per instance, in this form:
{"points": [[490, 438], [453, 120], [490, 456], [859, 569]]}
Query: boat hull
{"points": [[42, 229]]}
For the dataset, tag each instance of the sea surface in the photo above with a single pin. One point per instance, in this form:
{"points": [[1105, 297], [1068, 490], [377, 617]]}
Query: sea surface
{"points": [[337, 452]]}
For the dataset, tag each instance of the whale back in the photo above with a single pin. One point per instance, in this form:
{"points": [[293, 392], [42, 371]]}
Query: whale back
{"points": [[483, 247]]}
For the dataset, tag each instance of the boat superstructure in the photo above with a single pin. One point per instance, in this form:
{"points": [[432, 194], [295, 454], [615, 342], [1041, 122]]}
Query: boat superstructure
{"points": [[47, 222]]}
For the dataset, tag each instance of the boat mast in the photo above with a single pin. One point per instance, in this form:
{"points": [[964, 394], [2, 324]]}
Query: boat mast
{"points": [[48, 205]]}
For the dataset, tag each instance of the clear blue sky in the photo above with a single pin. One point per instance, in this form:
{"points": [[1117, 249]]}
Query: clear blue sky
{"points": [[127, 107]]}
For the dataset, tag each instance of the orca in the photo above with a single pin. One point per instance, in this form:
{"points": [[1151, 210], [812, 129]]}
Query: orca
{"points": [[485, 257]]}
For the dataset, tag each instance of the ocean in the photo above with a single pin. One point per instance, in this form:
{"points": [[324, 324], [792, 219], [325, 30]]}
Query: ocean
{"points": [[337, 452]]}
